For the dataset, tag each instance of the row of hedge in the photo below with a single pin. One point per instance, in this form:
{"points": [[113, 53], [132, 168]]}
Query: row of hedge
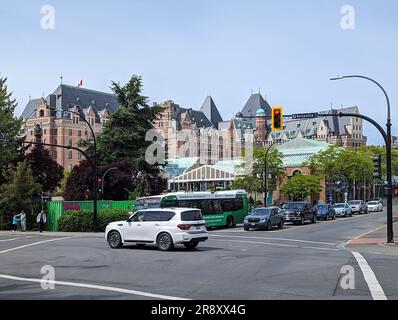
{"points": [[82, 221]]}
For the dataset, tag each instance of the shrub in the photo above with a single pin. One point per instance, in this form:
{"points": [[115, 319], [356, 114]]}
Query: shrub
{"points": [[82, 221]]}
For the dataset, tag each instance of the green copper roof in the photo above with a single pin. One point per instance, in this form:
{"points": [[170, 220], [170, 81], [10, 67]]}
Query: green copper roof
{"points": [[298, 150]]}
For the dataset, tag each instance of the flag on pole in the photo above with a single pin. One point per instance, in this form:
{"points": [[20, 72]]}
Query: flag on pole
{"points": [[80, 83]]}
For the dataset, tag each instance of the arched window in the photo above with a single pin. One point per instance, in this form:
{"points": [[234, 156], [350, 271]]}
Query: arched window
{"points": [[41, 113]]}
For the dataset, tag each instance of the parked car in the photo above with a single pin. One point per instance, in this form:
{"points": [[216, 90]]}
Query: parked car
{"points": [[374, 206], [342, 209], [299, 212], [264, 218], [325, 211], [162, 227], [358, 206], [379, 200]]}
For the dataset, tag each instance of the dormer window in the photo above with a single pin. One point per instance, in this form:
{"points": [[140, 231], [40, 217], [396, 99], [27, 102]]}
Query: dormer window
{"points": [[41, 113]]}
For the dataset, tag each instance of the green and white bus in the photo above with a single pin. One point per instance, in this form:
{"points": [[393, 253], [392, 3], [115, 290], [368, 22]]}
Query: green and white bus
{"points": [[219, 209]]}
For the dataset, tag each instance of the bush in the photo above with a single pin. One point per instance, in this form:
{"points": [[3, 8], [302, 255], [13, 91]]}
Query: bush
{"points": [[82, 221]]}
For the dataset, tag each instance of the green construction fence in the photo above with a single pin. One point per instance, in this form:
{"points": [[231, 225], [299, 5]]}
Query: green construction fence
{"points": [[55, 209]]}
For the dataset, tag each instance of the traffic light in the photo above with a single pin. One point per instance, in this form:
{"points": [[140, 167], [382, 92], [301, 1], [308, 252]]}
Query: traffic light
{"points": [[377, 167], [99, 185], [277, 119]]}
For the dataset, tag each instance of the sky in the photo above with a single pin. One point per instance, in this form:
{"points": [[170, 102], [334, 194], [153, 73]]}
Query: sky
{"points": [[188, 49]]}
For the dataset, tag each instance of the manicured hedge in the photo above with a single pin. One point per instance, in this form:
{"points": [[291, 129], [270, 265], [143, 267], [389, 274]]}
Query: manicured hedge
{"points": [[82, 221]]}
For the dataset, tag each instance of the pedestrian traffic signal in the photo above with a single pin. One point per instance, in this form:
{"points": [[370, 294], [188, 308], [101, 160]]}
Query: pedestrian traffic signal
{"points": [[377, 167], [277, 119]]}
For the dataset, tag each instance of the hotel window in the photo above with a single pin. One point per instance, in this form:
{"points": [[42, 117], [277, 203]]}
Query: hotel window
{"points": [[70, 142], [70, 154], [45, 131], [79, 133], [79, 155], [70, 132]]}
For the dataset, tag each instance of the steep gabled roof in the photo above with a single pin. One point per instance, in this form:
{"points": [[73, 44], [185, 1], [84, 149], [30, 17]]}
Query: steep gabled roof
{"points": [[210, 110], [255, 102]]}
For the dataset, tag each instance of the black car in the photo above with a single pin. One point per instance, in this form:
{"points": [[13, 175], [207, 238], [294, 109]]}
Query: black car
{"points": [[299, 212]]}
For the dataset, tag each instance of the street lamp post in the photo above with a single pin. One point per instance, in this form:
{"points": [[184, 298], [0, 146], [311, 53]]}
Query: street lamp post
{"points": [[239, 115], [103, 178], [266, 174], [390, 226], [95, 183]]}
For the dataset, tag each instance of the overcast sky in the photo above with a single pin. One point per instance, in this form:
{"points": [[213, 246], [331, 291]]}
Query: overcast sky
{"points": [[188, 49]]}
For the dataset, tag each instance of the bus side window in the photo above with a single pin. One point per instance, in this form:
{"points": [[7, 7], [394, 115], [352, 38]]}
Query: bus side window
{"points": [[238, 204], [216, 204], [227, 205], [206, 207]]}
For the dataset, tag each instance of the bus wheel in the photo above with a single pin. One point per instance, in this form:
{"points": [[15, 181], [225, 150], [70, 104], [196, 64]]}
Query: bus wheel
{"points": [[230, 222]]}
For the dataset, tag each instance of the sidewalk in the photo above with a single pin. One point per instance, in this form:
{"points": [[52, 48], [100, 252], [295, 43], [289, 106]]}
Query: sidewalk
{"points": [[49, 234], [375, 240]]}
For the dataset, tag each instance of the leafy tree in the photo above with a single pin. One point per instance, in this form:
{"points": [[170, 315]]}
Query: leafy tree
{"points": [[19, 193], [118, 183], [254, 181], [381, 151], [47, 172], [9, 128], [302, 186], [80, 182], [124, 135]]}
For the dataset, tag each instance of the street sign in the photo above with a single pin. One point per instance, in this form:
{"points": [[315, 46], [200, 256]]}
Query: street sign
{"points": [[305, 115]]}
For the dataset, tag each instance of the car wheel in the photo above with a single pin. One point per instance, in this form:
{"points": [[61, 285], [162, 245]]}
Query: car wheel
{"points": [[230, 222], [115, 240], [334, 217], [302, 221], [191, 245], [281, 223], [246, 228], [269, 226], [165, 242]]}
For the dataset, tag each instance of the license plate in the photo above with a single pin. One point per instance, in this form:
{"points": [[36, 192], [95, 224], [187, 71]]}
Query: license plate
{"points": [[253, 224], [198, 227]]}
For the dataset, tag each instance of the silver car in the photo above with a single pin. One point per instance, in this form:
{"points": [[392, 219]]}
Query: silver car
{"points": [[374, 206], [342, 210], [358, 206]]}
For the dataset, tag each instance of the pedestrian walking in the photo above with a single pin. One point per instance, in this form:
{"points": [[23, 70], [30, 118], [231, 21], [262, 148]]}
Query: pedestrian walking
{"points": [[22, 220], [14, 222], [41, 220]]}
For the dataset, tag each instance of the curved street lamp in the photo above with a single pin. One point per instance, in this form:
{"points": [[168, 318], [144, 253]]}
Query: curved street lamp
{"points": [[390, 227], [103, 179]]}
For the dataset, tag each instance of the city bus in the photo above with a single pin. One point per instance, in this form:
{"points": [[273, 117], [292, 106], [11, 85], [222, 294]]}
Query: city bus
{"points": [[219, 209]]}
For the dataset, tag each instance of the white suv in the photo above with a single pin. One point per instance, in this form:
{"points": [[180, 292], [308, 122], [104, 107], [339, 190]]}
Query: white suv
{"points": [[163, 227]]}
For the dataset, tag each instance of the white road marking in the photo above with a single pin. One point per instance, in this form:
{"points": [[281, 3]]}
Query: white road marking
{"points": [[13, 239], [276, 244], [282, 239], [374, 286], [35, 244], [94, 286]]}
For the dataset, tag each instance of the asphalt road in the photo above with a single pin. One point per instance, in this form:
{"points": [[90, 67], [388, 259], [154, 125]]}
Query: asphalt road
{"points": [[297, 262]]}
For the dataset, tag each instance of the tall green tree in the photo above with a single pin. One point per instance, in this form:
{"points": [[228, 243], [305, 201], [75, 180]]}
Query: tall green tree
{"points": [[254, 180], [47, 172], [124, 135], [21, 192], [301, 186], [9, 128]]}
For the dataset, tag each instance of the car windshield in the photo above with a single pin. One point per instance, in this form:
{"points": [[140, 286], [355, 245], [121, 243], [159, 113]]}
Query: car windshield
{"points": [[261, 211], [373, 203], [339, 205], [322, 206], [355, 203], [294, 206], [148, 203]]}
